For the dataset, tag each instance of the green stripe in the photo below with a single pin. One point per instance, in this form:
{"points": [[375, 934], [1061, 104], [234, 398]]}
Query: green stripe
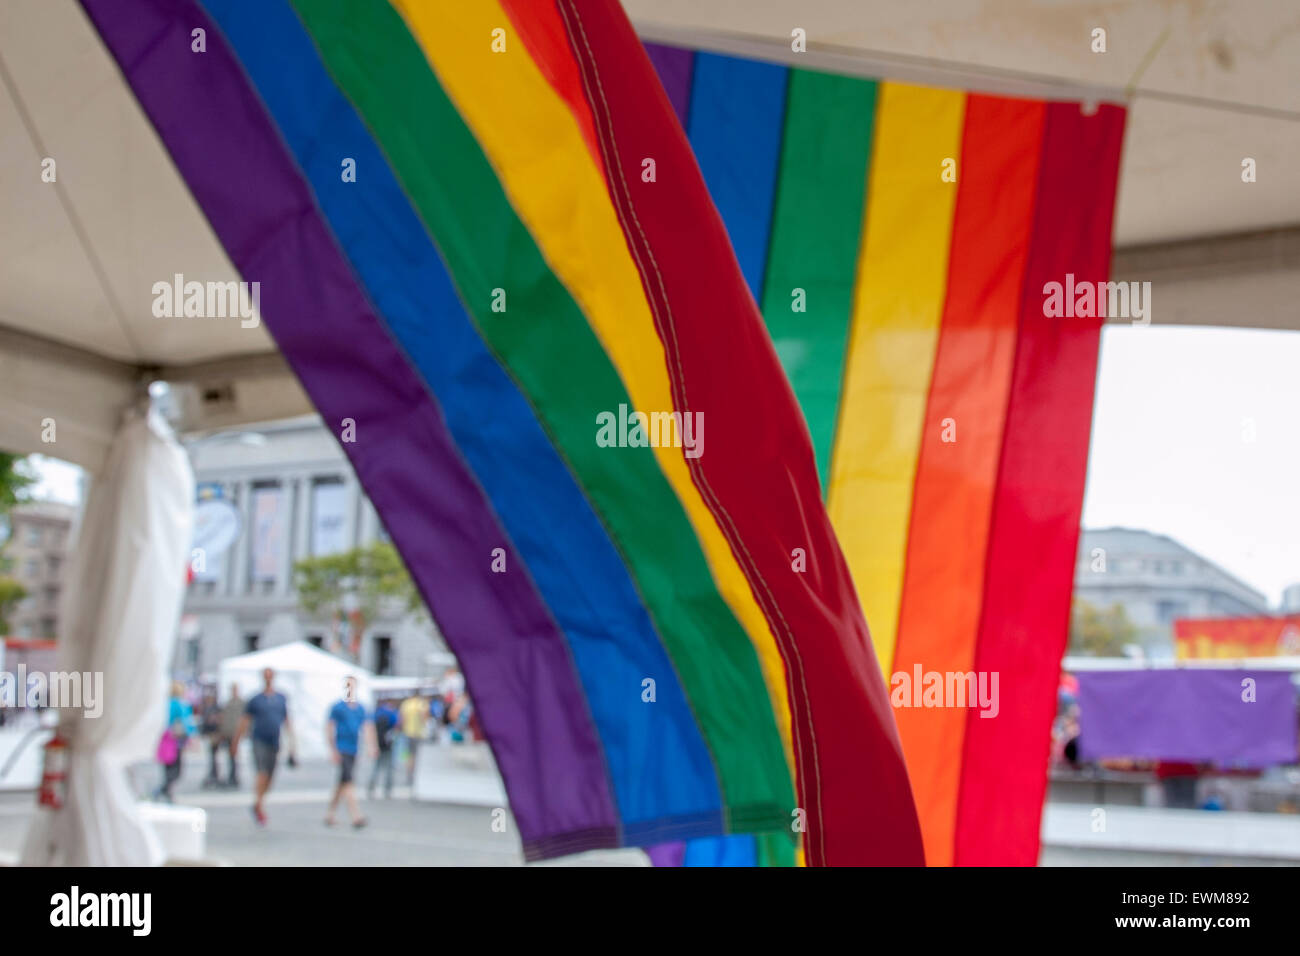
{"points": [[776, 849], [820, 199], [546, 345]]}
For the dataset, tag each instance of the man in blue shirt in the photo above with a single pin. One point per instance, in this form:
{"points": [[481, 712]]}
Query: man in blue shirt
{"points": [[267, 713], [346, 725]]}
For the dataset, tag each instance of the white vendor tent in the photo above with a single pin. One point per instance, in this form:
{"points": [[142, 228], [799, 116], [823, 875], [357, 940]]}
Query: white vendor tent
{"points": [[312, 680]]}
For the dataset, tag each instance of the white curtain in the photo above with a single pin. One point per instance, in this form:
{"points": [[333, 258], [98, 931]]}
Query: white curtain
{"points": [[124, 593]]}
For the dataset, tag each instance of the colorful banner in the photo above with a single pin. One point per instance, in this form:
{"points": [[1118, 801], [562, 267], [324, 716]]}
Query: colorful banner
{"points": [[1237, 637], [462, 251], [480, 232], [899, 240]]}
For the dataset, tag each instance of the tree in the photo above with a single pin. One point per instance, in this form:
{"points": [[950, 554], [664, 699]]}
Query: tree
{"points": [[15, 479], [11, 592], [352, 587], [1100, 633]]}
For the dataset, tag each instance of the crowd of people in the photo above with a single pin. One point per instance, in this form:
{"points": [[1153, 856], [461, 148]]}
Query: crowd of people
{"points": [[390, 735]]}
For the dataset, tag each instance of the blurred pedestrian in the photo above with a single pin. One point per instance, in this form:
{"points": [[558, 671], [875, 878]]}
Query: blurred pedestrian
{"points": [[465, 726], [267, 713], [345, 727], [414, 717], [177, 732], [209, 728], [437, 717], [385, 722], [229, 727]]}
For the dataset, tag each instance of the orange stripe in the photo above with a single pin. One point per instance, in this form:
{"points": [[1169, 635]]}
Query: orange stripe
{"points": [[542, 31], [943, 583]]}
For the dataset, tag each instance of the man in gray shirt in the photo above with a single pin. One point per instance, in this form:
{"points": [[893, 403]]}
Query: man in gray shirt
{"points": [[228, 728]]}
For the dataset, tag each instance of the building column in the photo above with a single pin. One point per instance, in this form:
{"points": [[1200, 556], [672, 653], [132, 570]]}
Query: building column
{"points": [[243, 547], [369, 529], [302, 519], [228, 557], [354, 498], [291, 491]]}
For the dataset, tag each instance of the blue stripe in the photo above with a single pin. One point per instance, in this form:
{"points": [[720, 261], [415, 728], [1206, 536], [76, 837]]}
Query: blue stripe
{"points": [[740, 849], [737, 119], [661, 770]]}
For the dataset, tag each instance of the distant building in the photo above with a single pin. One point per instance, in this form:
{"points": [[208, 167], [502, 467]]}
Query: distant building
{"points": [[296, 496], [39, 537], [1291, 599], [1157, 580]]}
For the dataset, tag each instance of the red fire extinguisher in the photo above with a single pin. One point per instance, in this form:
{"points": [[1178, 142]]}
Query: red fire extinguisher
{"points": [[54, 775]]}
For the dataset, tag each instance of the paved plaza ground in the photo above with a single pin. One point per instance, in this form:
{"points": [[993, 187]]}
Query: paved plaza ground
{"points": [[401, 832]]}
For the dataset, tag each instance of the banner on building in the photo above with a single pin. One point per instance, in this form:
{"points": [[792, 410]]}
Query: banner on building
{"points": [[268, 533], [329, 502], [1235, 637]]}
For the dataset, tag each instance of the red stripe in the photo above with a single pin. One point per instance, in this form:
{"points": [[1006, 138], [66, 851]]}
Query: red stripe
{"points": [[943, 584], [757, 473], [1029, 573]]}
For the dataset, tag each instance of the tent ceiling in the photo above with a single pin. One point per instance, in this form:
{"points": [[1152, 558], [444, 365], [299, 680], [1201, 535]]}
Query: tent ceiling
{"points": [[79, 257], [82, 266]]}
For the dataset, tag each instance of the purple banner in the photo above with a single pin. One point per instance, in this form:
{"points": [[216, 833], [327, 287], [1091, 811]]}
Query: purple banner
{"points": [[1231, 718]]}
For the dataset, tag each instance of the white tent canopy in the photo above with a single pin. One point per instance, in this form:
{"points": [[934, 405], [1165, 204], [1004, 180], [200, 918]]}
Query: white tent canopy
{"points": [[79, 256], [310, 678], [1211, 84]]}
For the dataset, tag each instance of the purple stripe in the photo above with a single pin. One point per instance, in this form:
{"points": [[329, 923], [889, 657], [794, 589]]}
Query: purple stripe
{"points": [[667, 854], [515, 660], [675, 67]]}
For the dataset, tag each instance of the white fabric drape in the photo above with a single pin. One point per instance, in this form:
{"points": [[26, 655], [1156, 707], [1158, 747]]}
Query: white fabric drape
{"points": [[124, 593]]}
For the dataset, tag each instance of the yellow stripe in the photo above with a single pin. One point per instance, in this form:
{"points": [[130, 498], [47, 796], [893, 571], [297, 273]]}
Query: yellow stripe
{"points": [[537, 150], [898, 304]]}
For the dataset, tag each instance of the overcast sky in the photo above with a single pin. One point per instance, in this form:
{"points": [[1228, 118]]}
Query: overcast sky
{"points": [[57, 480], [1196, 434]]}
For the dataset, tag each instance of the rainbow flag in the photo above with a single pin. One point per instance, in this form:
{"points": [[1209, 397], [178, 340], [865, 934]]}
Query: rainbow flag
{"points": [[900, 242], [486, 250]]}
